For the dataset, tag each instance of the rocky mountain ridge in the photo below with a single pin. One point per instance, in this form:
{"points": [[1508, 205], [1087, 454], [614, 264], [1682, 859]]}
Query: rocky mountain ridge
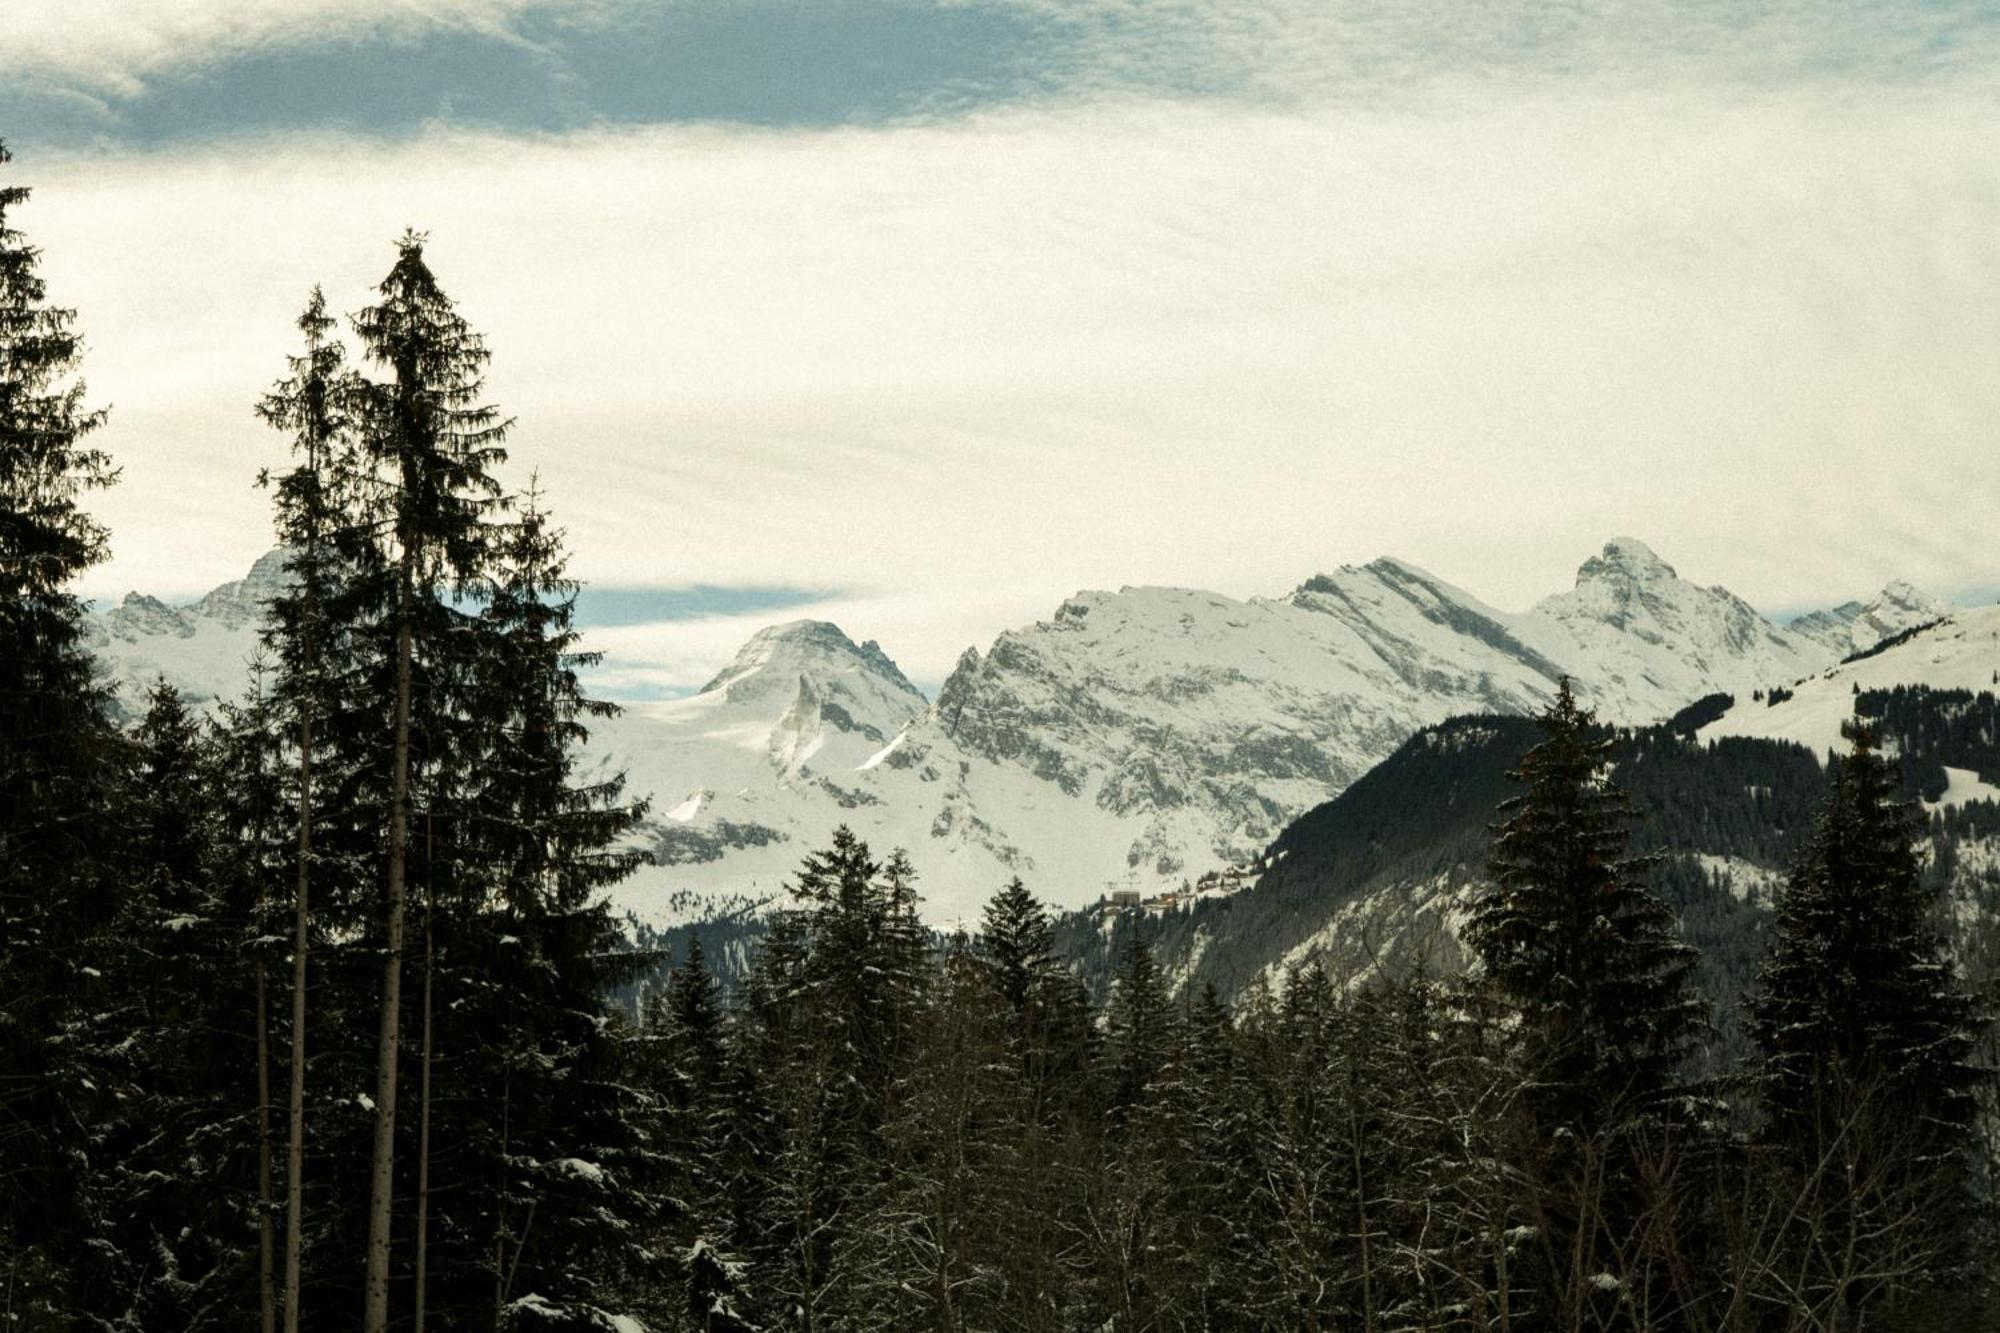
{"points": [[1132, 740]]}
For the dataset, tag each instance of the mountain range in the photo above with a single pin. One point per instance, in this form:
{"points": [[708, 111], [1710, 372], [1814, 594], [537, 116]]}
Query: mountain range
{"points": [[1133, 741], [1722, 794]]}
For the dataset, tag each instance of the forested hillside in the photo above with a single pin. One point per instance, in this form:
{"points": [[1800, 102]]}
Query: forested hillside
{"points": [[1376, 878], [309, 1015]]}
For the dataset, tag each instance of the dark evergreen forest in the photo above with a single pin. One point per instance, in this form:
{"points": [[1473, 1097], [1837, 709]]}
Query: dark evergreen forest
{"points": [[310, 1010]]}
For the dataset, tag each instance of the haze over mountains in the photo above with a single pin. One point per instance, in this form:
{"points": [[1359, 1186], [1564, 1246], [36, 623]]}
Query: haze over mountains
{"points": [[1132, 740]]}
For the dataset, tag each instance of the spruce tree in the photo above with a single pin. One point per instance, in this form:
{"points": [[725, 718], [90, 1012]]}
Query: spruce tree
{"points": [[1589, 969], [1567, 932], [1137, 1230], [1864, 1039], [1017, 943], [697, 1080], [831, 1006], [322, 540], [1049, 1126], [59, 760], [436, 442], [546, 1196], [929, 1233], [181, 1187]]}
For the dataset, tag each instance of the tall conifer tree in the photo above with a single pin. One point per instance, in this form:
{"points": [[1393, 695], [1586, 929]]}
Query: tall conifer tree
{"points": [[57, 756], [1864, 1040], [427, 427], [1569, 934], [321, 539], [1590, 965]]}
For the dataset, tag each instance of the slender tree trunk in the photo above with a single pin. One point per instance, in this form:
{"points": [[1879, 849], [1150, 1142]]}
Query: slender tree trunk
{"points": [[295, 1146], [295, 1109], [267, 1288], [424, 1090], [500, 1205], [381, 1189], [1361, 1198]]}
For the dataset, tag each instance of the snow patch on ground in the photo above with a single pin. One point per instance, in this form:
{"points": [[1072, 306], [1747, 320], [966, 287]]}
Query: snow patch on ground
{"points": [[875, 759], [1962, 785], [1747, 881]]}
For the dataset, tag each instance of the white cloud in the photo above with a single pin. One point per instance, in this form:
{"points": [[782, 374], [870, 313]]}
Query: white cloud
{"points": [[114, 46], [962, 369]]}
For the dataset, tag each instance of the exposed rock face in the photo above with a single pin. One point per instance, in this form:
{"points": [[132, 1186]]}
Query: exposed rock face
{"points": [[204, 649], [1133, 739], [1854, 627]]}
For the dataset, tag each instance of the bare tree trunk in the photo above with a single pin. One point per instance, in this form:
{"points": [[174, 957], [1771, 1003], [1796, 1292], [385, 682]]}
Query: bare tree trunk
{"points": [[267, 1294], [1360, 1197], [381, 1186], [295, 1145], [500, 1207], [424, 1091]]}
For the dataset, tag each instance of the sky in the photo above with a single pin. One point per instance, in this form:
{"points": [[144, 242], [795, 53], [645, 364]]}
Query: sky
{"points": [[920, 315]]}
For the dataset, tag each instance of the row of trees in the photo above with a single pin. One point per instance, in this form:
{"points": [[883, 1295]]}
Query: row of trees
{"points": [[890, 1137], [302, 1009]]}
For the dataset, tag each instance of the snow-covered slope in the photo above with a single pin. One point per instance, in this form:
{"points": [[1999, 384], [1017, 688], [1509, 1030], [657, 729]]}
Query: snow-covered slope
{"points": [[1138, 738], [1854, 627], [1131, 740], [1960, 652], [738, 772], [1647, 641]]}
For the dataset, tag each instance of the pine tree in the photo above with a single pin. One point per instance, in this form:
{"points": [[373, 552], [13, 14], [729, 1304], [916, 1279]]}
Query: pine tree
{"points": [[1589, 966], [831, 1005], [1017, 943], [427, 427], [1222, 1171], [1300, 1209], [705, 1156], [929, 1231], [321, 540], [59, 760], [1864, 1043], [547, 1199], [1049, 1127], [1135, 1229], [1568, 933]]}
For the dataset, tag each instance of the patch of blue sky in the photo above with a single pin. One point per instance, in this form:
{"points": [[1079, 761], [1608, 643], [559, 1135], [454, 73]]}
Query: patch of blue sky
{"points": [[606, 607], [768, 63]]}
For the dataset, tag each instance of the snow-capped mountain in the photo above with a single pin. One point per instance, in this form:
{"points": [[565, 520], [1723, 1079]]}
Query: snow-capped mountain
{"points": [[203, 649], [1131, 740], [1647, 641], [1960, 651], [1378, 876], [1138, 738], [1854, 627]]}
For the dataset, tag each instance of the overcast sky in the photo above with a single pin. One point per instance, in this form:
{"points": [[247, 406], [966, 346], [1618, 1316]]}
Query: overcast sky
{"points": [[919, 315]]}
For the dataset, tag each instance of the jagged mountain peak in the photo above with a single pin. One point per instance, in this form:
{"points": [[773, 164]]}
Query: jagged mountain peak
{"points": [[241, 601], [1903, 596], [1625, 560], [778, 656], [1856, 626]]}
